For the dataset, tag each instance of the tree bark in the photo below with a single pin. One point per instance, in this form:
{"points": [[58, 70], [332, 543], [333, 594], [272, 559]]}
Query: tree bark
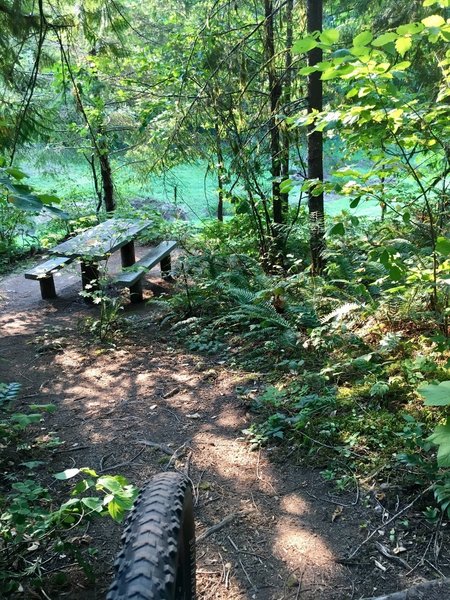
{"points": [[287, 93], [220, 174], [314, 18], [106, 174], [275, 91]]}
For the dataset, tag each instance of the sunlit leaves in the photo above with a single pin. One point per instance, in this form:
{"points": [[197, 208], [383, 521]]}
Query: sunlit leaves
{"points": [[433, 21], [403, 44], [304, 45], [329, 36], [363, 38], [443, 246], [436, 394], [384, 39], [441, 437]]}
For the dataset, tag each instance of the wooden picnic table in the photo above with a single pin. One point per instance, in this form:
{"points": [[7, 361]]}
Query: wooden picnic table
{"points": [[98, 243]]}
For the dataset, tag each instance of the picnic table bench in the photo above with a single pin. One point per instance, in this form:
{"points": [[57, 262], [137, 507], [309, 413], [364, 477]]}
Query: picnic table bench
{"points": [[97, 244]]}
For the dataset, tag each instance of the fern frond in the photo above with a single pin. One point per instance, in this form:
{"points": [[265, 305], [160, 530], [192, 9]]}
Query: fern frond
{"points": [[340, 312]]}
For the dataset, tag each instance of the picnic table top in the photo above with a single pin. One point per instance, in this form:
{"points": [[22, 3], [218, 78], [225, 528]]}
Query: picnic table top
{"points": [[103, 239]]}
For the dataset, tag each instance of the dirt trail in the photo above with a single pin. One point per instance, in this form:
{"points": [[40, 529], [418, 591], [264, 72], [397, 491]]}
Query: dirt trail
{"points": [[286, 535]]}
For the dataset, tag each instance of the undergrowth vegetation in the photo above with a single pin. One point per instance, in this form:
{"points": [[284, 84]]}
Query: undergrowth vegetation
{"points": [[350, 359], [41, 522]]}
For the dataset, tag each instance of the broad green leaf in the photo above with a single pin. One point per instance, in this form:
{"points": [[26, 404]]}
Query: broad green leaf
{"points": [[26, 202], [88, 471], [341, 53], [48, 199], [16, 173], [110, 483], [115, 511], [286, 186], [402, 45], [67, 474], [329, 36], [338, 229], [308, 70], [441, 3], [384, 39], [93, 503], [410, 28], [363, 38], [436, 395], [433, 21], [402, 66], [441, 437], [443, 246], [82, 486], [304, 45]]}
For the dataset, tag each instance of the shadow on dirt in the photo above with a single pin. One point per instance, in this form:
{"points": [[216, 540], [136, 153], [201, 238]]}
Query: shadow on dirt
{"points": [[286, 535]]}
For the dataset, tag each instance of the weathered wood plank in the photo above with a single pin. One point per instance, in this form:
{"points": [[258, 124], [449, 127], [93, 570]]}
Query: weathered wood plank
{"points": [[103, 239], [46, 269], [152, 258]]}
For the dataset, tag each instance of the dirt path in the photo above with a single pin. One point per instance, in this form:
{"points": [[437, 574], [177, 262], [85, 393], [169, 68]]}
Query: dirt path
{"points": [[286, 536]]}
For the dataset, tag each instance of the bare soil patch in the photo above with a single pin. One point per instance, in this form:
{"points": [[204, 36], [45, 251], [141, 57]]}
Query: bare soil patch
{"points": [[288, 536]]}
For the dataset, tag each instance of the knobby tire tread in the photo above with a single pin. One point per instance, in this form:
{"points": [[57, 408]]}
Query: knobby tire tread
{"points": [[158, 544]]}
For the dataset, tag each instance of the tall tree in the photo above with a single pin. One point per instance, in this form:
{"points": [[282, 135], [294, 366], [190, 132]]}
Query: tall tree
{"points": [[314, 19]]}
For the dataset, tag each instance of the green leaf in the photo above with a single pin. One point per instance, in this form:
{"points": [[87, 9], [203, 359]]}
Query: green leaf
{"points": [[384, 39], [401, 66], [304, 45], [116, 511], [67, 474], [110, 483], [433, 21], [363, 38], [48, 199], [329, 36], [443, 246], [88, 471], [402, 45], [441, 437], [436, 395], [410, 28], [16, 173], [337, 229], [24, 420], [286, 186], [82, 486], [93, 503]]}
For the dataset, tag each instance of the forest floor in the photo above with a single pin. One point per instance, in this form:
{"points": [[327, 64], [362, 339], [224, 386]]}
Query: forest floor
{"points": [[290, 533]]}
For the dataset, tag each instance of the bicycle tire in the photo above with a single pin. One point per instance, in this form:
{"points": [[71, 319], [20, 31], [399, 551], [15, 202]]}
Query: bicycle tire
{"points": [[157, 559]]}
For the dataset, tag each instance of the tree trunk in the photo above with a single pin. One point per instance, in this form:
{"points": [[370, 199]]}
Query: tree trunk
{"points": [[315, 144], [287, 93], [275, 91], [220, 174], [106, 174]]}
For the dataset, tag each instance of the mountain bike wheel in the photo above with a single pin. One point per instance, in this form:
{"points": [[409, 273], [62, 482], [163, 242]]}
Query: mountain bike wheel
{"points": [[157, 560]]}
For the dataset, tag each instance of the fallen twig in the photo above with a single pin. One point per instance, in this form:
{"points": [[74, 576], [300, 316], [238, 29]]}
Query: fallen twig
{"points": [[217, 527], [123, 464], [252, 585], [385, 552], [70, 449], [161, 447], [386, 523], [171, 393]]}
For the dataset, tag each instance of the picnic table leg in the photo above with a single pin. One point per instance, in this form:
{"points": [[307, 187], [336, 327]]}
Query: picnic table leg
{"points": [[90, 276], [128, 259], [166, 268], [47, 288]]}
